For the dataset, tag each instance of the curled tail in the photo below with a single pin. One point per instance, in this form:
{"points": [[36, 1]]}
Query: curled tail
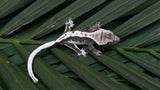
{"points": [[31, 58]]}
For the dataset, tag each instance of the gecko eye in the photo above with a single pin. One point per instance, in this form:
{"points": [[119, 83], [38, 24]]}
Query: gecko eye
{"points": [[110, 34]]}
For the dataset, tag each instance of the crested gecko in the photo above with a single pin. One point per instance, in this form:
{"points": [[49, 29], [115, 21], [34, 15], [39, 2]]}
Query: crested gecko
{"points": [[87, 36]]}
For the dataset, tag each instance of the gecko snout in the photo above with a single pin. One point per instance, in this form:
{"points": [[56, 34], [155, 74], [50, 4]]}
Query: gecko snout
{"points": [[116, 39]]}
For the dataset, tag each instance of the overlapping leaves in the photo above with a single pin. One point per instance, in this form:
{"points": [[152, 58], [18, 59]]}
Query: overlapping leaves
{"points": [[131, 64]]}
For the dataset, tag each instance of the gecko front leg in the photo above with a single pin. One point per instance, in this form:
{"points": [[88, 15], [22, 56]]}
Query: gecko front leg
{"points": [[95, 27], [76, 49], [94, 50]]}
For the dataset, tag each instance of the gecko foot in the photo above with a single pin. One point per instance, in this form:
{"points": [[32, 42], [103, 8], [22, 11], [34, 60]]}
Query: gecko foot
{"points": [[83, 53], [97, 53], [69, 22]]}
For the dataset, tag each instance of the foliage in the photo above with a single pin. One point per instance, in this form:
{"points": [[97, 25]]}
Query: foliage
{"points": [[131, 64]]}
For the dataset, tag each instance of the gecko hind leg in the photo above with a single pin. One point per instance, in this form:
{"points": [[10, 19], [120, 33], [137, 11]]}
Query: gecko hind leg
{"points": [[69, 24], [76, 49], [94, 50]]}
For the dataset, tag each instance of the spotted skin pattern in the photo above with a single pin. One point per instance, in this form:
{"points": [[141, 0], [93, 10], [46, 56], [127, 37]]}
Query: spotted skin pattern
{"points": [[87, 36]]}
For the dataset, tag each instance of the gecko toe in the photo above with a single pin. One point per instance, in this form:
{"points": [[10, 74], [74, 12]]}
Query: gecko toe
{"points": [[83, 53], [98, 53]]}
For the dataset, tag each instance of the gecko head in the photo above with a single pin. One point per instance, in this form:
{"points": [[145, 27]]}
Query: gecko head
{"points": [[107, 37], [112, 38]]}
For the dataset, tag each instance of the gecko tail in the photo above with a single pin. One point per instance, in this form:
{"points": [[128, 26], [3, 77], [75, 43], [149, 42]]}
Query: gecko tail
{"points": [[31, 58]]}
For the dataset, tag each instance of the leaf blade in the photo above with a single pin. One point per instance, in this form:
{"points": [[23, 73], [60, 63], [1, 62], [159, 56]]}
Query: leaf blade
{"points": [[137, 78], [9, 73], [37, 9], [74, 10], [139, 21], [96, 80], [47, 74]]}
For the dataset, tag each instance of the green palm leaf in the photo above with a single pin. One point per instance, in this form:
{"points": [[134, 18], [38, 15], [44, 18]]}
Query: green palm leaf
{"points": [[129, 65]]}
